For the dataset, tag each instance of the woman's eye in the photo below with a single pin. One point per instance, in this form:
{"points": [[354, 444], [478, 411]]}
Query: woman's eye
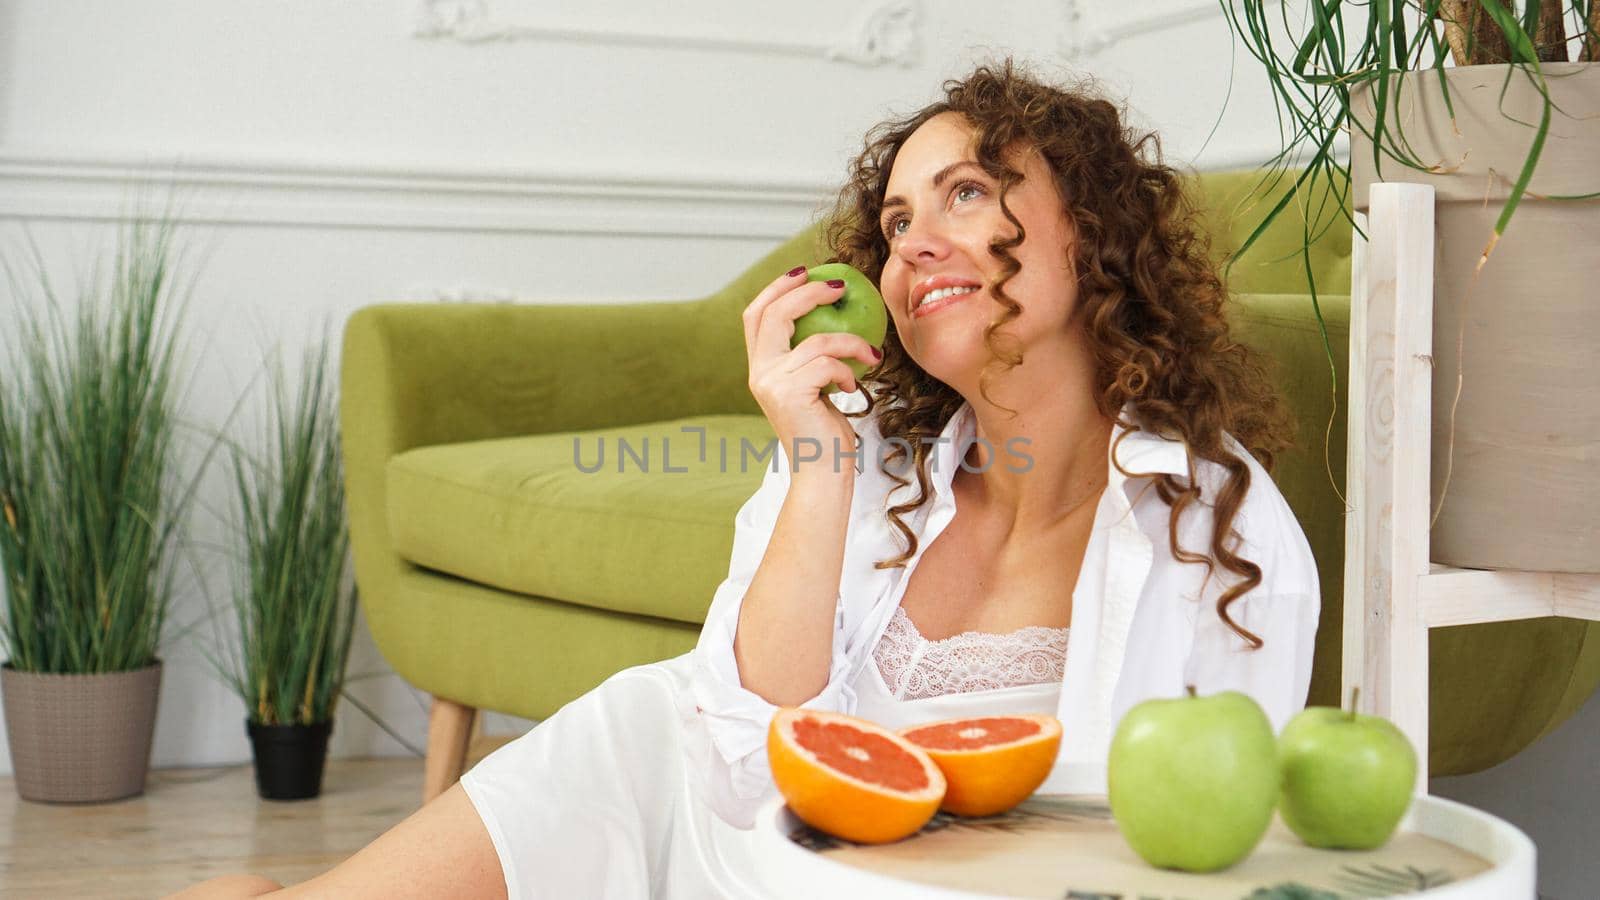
{"points": [[891, 227]]}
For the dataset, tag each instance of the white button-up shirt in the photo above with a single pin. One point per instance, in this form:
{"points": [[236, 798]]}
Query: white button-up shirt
{"points": [[1144, 625]]}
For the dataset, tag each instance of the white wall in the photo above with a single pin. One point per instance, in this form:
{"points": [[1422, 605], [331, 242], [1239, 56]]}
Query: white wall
{"points": [[333, 155]]}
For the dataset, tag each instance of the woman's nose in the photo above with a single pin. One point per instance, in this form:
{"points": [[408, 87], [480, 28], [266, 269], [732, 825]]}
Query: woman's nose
{"points": [[922, 243]]}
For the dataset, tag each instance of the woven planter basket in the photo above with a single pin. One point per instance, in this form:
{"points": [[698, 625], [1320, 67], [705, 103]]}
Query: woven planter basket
{"points": [[80, 738]]}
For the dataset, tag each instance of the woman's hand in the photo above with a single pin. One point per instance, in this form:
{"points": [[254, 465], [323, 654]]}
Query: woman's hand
{"points": [[788, 383]]}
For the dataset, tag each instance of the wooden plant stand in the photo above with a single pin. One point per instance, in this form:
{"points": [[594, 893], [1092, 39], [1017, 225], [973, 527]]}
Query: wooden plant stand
{"points": [[1393, 593]]}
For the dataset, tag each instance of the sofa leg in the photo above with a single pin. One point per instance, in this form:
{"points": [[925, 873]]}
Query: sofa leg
{"points": [[450, 727]]}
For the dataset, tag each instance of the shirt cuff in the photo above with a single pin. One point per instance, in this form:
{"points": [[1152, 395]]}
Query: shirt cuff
{"points": [[737, 719]]}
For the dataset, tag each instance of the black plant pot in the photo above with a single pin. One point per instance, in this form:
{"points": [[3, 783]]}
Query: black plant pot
{"points": [[289, 759]]}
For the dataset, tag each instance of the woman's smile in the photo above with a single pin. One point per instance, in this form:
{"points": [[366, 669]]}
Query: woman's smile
{"points": [[943, 299]]}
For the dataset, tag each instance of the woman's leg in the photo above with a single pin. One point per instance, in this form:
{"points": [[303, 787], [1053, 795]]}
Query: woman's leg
{"points": [[441, 850], [229, 886]]}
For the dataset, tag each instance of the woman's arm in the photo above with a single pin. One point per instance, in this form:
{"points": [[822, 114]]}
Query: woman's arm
{"points": [[784, 641], [785, 572], [772, 633], [780, 640]]}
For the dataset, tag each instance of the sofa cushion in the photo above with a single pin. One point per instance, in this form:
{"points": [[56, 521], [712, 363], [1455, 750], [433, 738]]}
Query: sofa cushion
{"points": [[629, 519]]}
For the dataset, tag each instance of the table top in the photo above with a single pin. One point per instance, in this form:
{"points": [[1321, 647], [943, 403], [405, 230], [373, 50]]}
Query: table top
{"points": [[1069, 847]]}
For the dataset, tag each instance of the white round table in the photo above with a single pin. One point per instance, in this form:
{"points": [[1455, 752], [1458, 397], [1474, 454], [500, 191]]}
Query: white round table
{"points": [[1060, 846]]}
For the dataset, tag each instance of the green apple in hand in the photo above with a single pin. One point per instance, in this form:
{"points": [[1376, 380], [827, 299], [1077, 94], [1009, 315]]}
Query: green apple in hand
{"points": [[1347, 778], [859, 311], [1192, 781]]}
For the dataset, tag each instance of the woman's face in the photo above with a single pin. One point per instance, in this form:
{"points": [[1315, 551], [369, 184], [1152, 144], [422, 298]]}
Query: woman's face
{"points": [[940, 212]]}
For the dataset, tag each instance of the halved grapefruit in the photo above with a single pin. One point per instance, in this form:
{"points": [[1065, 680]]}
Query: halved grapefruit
{"points": [[852, 778], [992, 763]]}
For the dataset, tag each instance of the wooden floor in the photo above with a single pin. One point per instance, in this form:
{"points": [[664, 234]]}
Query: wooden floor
{"points": [[194, 824]]}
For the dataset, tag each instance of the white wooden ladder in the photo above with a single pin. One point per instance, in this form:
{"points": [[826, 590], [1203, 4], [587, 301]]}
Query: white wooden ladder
{"points": [[1393, 593]]}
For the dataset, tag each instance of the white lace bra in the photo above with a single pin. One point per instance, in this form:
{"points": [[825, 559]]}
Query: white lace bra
{"points": [[914, 667]]}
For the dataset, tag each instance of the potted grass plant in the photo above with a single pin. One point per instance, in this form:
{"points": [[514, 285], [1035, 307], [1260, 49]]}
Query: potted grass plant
{"points": [[91, 505], [294, 602], [1498, 108]]}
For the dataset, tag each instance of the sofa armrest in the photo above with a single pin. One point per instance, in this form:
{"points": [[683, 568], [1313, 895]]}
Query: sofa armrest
{"points": [[419, 374]]}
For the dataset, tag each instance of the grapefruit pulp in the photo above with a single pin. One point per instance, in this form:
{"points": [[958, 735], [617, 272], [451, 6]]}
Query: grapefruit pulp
{"points": [[992, 763], [851, 778]]}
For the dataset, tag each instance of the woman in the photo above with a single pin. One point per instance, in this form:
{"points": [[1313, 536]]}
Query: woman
{"points": [[1056, 502]]}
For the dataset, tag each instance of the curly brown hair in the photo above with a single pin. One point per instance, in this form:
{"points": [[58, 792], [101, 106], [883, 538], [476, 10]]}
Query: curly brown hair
{"points": [[1150, 298]]}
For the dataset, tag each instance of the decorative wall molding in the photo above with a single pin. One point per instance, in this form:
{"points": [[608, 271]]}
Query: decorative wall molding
{"points": [[292, 193], [36, 184], [886, 32], [1090, 27]]}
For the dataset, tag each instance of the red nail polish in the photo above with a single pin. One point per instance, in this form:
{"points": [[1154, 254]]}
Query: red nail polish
{"points": [[797, 270], [877, 354], [836, 283]]}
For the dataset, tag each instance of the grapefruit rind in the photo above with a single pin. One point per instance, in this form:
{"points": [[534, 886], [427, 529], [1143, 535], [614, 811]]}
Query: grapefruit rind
{"points": [[839, 803], [989, 779]]}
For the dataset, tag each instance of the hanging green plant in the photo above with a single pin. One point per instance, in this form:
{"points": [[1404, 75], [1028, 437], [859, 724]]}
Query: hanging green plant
{"points": [[1341, 48]]}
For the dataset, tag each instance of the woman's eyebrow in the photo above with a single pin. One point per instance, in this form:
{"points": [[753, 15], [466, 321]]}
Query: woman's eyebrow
{"points": [[939, 178]]}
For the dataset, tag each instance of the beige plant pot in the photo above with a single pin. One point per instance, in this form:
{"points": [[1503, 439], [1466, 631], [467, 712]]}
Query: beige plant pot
{"points": [[1523, 491], [80, 738]]}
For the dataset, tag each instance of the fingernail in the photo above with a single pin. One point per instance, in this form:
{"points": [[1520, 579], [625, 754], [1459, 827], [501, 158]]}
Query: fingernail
{"points": [[877, 354], [836, 283], [797, 270]]}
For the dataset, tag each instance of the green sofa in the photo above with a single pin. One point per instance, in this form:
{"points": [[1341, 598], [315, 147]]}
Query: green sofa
{"points": [[497, 573]]}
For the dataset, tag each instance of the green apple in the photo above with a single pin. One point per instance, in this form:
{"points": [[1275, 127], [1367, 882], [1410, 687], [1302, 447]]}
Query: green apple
{"points": [[1347, 778], [859, 311], [1192, 781]]}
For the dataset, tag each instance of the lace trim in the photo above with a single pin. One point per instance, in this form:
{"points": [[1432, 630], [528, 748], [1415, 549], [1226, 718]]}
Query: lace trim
{"points": [[915, 668]]}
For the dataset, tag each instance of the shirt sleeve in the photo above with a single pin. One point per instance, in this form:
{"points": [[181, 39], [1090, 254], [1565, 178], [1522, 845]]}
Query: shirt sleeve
{"points": [[737, 719], [1278, 674], [1283, 611]]}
